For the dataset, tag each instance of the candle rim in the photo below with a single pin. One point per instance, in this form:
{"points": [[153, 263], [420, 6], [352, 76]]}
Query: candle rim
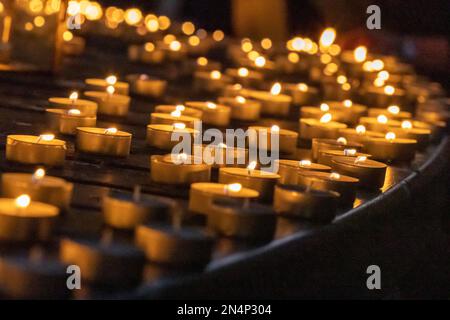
{"points": [[34, 140], [368, 163], [219, 189], [35, 209], [102, 131]]}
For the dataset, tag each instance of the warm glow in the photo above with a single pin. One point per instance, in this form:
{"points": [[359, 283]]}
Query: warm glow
{"points": [[360, 54], [327, 38], [211, 105], [335, 176], [188, 28], [302, 87], [164, 22], [252, 165], [22, 201], [240, 99], [74, 112], [275, 128], [246, 45], [305, 163], [38, 174], [293, 57], [324, 107], [67, 36], [243, 72], [341, 79], [46, 137], [393, 109], [180, 107], [341, 140], [111, 131], [73, 96], [276, 89], [234, 187], [389, 90], [377, 65], [326, 118], [39, 21], [360, 129], [298, 44], [149, 47], [133, 16], [152, 23], [176, 113], [202, 61], [346, 86], [215, 74], [407, 124], [182, 157], [194, 41], [382, 119], [347, 103], [218, 35], [390, 136], [325, 58], [175, 45], [222, 145], [349, 152], [179, 126], [252, 55], [360, 159], [260, 61], [168, 38], [384, 75], [110, 90], [111, 80], [266, 43]]}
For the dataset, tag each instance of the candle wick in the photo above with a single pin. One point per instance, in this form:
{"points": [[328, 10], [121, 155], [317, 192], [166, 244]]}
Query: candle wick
{"points": [[137, 193]]}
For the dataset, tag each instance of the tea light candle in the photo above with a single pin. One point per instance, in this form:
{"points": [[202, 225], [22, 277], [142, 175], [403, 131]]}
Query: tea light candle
{"points": [[379, 124], [306, 203], [391, 148], [160, 135], [185, 247], [232, 90], [336, 144], [258, 180], [301, 93], [67, 121], [122, 88], [210, 81], [212, 114], [359, 134], [205, 64], [322, 128], [384, 96], [178, 169], [241, 108], [202, 195], [145, 85], [345, 186], [149, 53], [326, 156], [126, 211], [287, 139], [221, 155], [251, 221], [109, 102], [407, 131], [43, 149], [273, 103], [392, 112], [194, 113], [288, 169], [310, 112], [23, 220], [349, 112], [371, 173], [103, 262], [171, 118], [246, 77], [102, 141], [86, 107], [39, 187]]}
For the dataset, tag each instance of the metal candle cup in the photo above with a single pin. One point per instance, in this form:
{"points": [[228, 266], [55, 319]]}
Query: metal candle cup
{"points": [[212, 114], [169, 119], [86, 107], [194, 113], [313, 128], [245, 77], [271, 104], [241, 108], [103, 141], [287, 139], [391, 150], [160, 135], [327, 155], [110, 104], [301, 93], [144, 85], [122, 88], [67, 121], [288, 169], [210, 81], [332, 144]]}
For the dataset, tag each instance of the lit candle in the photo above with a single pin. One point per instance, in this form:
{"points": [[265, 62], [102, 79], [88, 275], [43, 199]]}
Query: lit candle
{"points": [[212, 114], [190, 112], [288, 169], [287, 139], [319, 144], [43, 149], [122, 88], [326, 156], [205, 64], [87, 107], [202, 195], [241, 108], [101, 141], [109, 102], [39, 187], [67, 121], [391, 148], [408, 131], [384, 96], [380, 124], [392, 112], [347, 111], [23, 220], [160, 135], [273, 103], [171, 118], [359, 134], [232, 90], [246, 77], [181, 169], [220, 155], [210, 81], [147, 53], [322, 128], [145, 85], [301, 93], [261, 181]]}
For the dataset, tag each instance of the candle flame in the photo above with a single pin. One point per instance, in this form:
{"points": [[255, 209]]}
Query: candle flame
{"points": [[202, 61], [407, 124], [252, 165], [360, 129], [383, 75], [326, 118], [182, 157], [327, 37], [335, 176], [222, 145], [243, 72], [341, 79], [234, 187], [348, 103], [240, 99], [22, 201], [302, 87], [215, 75], [276, 89], [393, 109], [111, 80], [305, 163], [179, 126], [211, 105], [378, 82], [47, 137], [180, 107], [342, 140], [74, 112], [346, 86], [175, 45], [260, 61], [111, 131], [377, 65], [110, 89], [237, 86], [39, 174], [390, 136], [176, 113], [324, 107], [275, 128], [360, 159], [349, 152], [73, 96], [360, 54], [389, 90], [382, 119]]}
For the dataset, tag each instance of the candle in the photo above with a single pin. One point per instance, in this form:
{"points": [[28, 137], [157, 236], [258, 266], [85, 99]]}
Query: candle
{"points": [[246, 77], [336, 144], [103, 262], [391, 148], [174, 117], [308, 112], [145, 85], [102, 141], [241, 108], [86, 107], [66, 121], [212, 114], [205, 64], [178, 169], [23, 220], [342, 184], [392, 112], [220, 155], [127, 211], [190, 112], [149, 53], [122, 88], [232, 90], [301, 93], [288, 169], [43, 149], [326, 155], [210, 81], [39, 187], [287, 139], [202, 195], [322, 128], [250, 221], [407, 131], [347, 111], [384, 96], [258, 180], [109, 102], [371, 174], [306, 203], [380, 124], [359, 134], [160, 135], [187, 247], [273, 103]]}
